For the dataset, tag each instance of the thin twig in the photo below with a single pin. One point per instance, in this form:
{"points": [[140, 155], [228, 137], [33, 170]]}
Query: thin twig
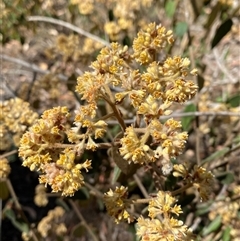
{"points": [[8, 154], [198, 113], [83, 221], [103, 145], [140, 185], [19, 207], [138, 201], [33, 67], [182, 189], [13, 194], [222, 67], [69, 26], [7, 89], [93, 190], [183, 114]]}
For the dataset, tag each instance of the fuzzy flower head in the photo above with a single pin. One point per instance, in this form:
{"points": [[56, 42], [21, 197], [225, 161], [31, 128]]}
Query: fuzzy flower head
{"points": [[151, 108], [85, 119], [201, 179], [85, 7], [111, 59], [133, 149], [35, 145], [116, 204], [15, 117], [180, 91], [113, 30], [150, 40], [90, 86], [64, 176], [163, 203], [171, 140], [168, 228], [52, 224], [40, 198], [5, 168]]}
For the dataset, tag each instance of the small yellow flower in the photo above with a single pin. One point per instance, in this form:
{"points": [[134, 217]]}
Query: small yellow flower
{"points": [[91, 144], [64, 176], [150, 40], [168, 228], [163, 203], [132, 148], [90, 85], [180, 91], [116, 204], [168, 135]]}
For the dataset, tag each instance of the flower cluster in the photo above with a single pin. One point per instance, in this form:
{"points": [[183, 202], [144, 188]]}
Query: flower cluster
{"points": [[199, 177], [149, 40], [168, 135], [64, 175], [117, 203], [36, 145], [40, 198], [228, 209], [72, 47], [52, 223], [15, 117], [126, 14], [49, 83], [85, 7], [150, 93], [116, 80], [40, 148], [5, 168], [162, 225], [229, 213], [84, 118]]}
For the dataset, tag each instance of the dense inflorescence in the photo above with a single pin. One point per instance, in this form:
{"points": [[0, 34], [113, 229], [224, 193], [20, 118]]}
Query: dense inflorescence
{"points": [[117, 77]]}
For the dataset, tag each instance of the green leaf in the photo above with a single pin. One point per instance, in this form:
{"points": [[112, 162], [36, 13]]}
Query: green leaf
{"points": [[125, 168], [20, 225], [170, 8], [186, 121], [234, 101], [222, 30], [101, 204], [213, 226], [116, 173], [203, 209], [226, 234], [236, 139], [4, 192], [228, 178], [79, 231], [216, 155], [181, 28]]}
